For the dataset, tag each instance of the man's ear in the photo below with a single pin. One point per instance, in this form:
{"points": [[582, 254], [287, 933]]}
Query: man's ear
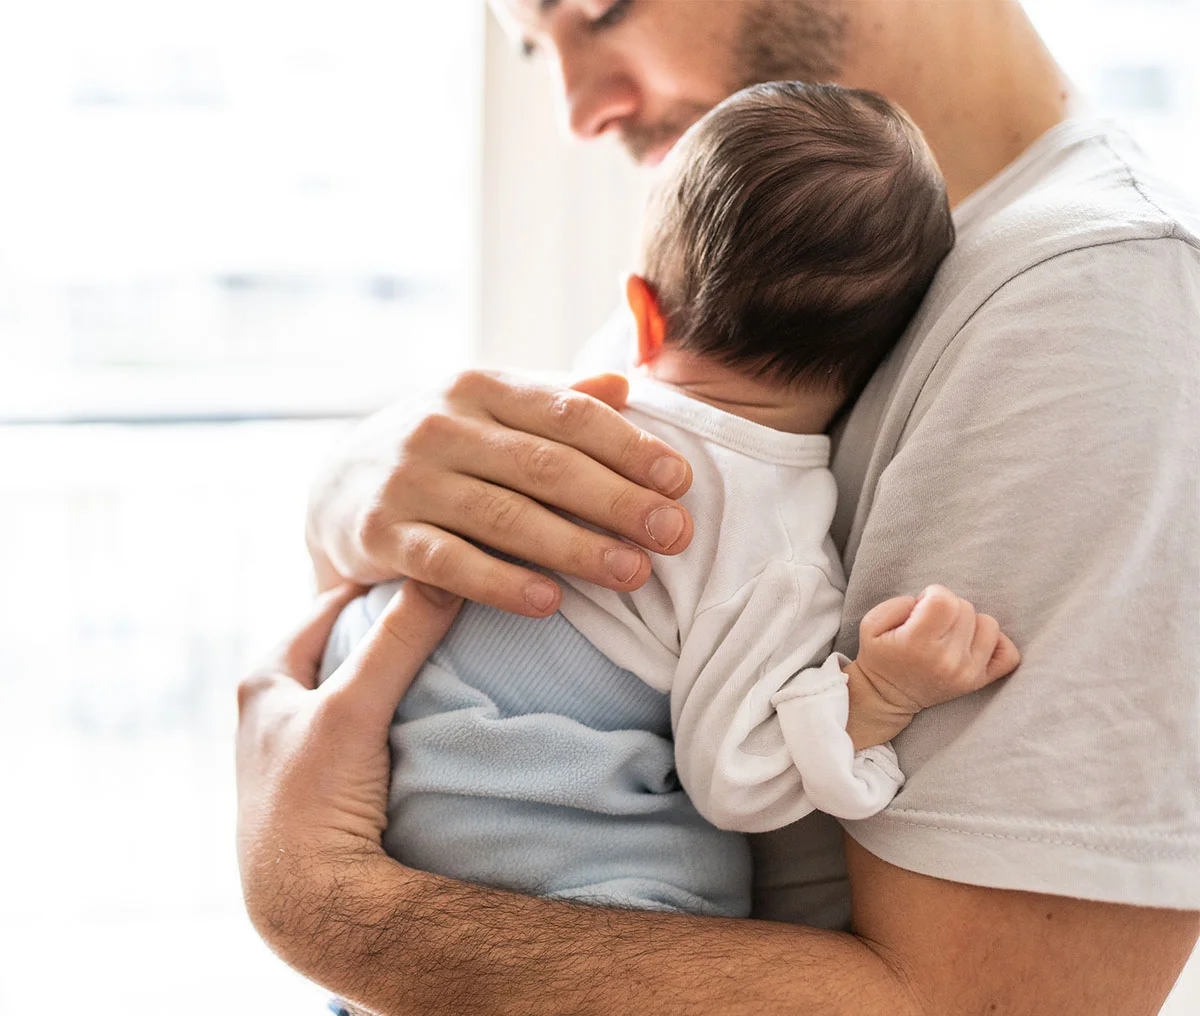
{"points": [[651, 328]]}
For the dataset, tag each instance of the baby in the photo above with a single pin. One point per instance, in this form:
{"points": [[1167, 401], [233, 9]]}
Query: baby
{"points": [[615, 752]]}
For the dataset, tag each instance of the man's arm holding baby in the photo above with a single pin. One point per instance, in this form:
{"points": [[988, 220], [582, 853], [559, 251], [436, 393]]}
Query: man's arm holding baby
{"points": [[330, 902], [313, 772]]}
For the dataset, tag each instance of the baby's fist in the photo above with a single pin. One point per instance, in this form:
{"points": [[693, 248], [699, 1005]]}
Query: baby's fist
{"points": [[921, 651]]}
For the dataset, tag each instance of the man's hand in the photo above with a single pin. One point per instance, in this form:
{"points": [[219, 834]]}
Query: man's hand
{"points": [[916, 652], [313, 762], [496, 462]]}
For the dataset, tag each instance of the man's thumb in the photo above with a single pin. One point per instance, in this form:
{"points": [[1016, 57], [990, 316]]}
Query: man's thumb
{"points": [[382, 666], [611, 389]]}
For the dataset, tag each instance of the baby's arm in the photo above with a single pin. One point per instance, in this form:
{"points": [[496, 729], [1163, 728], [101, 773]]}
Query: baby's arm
{"points": [[916, 652], [762, 728]]}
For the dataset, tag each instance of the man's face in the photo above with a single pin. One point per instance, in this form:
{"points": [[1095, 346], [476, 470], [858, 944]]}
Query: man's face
{"points": [[646, 70]]}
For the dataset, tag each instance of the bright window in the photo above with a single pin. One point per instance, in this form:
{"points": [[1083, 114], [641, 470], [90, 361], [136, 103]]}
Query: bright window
{"points": [[225, 227], [232, 206], [1135, 60]]}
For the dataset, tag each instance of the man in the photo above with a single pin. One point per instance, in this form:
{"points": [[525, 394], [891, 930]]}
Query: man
{"points": [[1033, 442]]}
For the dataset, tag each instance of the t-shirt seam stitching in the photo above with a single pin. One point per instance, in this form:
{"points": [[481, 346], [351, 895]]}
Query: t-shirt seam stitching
{"points": [[1054, 257], [1171, 231], [1127, 849], [895, 812]]}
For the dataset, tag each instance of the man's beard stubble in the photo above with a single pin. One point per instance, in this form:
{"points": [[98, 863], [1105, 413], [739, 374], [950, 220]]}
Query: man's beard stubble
{"points": [[777, 40], [790, 40]]}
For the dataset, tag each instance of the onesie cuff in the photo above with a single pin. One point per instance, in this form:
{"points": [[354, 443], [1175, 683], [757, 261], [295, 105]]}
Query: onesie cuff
{"points": [[813, 708]]}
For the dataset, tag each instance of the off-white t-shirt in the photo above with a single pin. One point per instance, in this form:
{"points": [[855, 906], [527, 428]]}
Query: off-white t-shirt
{"points": [[1034, 443], [738, 628]]}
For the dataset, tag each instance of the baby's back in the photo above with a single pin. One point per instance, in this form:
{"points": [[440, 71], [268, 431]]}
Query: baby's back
{"points": [[525, 759]]}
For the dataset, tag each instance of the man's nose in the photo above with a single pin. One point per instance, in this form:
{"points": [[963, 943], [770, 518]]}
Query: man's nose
{"points": [[597, 94]]}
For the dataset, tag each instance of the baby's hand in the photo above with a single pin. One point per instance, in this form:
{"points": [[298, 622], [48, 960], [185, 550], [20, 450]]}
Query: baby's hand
{"points": [[916, 652]]}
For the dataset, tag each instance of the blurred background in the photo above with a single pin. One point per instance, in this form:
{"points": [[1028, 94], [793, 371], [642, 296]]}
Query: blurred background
{"points": [[227, 229]]}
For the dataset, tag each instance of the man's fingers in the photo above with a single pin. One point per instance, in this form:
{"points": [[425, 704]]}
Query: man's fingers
{"points": [[886, 616], [378, 672], [1004, 660], [584, 423], [299, 657], [438, 558], [512, 523], [611, 389], [525, 466]]}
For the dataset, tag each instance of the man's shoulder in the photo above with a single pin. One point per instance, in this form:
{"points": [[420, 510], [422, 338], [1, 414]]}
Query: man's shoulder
{"points": [[1085, 243], [1093, 190], [1095, 254], [1066, 274], [1092, 187]]}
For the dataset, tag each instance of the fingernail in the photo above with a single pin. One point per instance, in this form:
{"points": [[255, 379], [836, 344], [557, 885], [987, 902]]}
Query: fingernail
{"points": [[438, 597], [623, 563], [664, 526], [667, 474], [540, 595]]}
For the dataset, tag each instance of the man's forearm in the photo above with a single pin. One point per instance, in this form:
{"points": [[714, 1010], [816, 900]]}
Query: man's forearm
{"points": [[400, 942], [405, 943], [312, 779]]}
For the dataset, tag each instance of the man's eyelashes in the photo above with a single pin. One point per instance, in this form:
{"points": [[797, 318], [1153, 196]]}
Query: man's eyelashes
{"points": [[614, 14]]}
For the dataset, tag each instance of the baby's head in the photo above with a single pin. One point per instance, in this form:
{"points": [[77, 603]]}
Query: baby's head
{"points": [[791, 236]]}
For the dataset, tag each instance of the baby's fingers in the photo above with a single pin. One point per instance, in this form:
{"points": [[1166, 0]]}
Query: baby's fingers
{"points": [[992, 652], [983, 647], [1005, 658], [938, 614], [886, 616]]}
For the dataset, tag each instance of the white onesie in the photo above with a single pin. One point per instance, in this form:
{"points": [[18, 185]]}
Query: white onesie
{"points": [[738, 627]]}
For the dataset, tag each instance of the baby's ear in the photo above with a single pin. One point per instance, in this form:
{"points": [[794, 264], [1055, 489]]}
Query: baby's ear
{"points": [[651, 329]]}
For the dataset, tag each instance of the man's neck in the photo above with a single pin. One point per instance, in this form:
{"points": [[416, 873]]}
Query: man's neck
{"points": [[973, 74]]}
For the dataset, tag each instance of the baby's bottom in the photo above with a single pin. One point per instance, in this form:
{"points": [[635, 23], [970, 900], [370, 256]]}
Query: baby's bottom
{"points": [[525, 759]]}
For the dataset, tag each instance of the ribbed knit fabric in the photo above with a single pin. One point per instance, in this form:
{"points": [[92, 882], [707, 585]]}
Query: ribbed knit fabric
{"points": [[526, 759]]}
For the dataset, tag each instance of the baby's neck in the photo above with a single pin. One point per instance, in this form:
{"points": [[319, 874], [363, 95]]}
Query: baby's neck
{"points": [[771, 404]]}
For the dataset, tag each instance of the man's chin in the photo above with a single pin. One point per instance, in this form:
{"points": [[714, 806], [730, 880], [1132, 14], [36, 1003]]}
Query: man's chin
{"points": [[648, 143], [652, 158], [649, 156]]}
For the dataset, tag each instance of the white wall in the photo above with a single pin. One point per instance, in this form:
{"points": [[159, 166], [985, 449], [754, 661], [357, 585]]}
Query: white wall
{"points": [[559, 220]]}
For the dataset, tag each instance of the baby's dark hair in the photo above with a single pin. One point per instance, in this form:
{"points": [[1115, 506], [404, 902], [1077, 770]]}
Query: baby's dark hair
{"points": [[796, 232]]}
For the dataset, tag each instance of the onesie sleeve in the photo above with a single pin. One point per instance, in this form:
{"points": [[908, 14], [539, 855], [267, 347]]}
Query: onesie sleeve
{"points": [[760, 733]]}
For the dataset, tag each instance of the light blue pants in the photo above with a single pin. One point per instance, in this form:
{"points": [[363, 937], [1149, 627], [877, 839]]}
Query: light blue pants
{"points": [[523, 758]]}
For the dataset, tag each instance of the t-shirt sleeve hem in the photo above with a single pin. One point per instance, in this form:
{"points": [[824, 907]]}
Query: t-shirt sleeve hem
{"points": [[1143, 871]]}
